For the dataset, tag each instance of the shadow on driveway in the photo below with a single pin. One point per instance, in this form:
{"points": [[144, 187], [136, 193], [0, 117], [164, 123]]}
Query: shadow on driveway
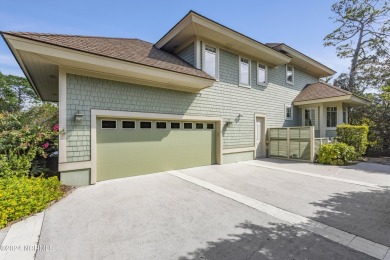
{"points": [[277, 241]]}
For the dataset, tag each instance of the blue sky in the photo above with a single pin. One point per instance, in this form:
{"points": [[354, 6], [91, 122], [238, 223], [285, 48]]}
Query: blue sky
{"points": [[302, 24]]}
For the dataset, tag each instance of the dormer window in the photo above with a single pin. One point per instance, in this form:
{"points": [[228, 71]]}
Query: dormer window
{"points": [[210, 60], [290, 74], [244, 72]]}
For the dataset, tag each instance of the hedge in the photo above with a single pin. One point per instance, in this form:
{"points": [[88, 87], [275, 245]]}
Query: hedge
{"points": [[354, 135], [23, 196], [336, 154]]}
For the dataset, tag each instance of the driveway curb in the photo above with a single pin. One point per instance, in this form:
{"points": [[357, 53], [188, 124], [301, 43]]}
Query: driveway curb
{"points": [[21, 240]]}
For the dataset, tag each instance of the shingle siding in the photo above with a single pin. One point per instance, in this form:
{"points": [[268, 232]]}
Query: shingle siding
{"points": [[224, 99], [187, 54]]}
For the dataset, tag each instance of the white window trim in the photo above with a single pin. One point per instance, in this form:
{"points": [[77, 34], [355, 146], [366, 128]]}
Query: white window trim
{"points": [[167, 125], [180, 125], [216, 58], [293, 75], [326, 117], [316, 116], [239, 72], [101, 124], [292, 112], [257, 74], [135, 125], [203, 128]]}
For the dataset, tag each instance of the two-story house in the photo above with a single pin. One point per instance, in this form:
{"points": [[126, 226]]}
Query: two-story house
{"points": [[203, 94]]}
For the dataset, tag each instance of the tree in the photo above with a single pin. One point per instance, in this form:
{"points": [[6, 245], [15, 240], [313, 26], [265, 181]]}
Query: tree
{"points": [[362, 36], [15, 94]]}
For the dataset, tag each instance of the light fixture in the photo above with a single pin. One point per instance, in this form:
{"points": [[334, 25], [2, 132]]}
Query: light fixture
{"points": [[78, 117], [228, 122]]}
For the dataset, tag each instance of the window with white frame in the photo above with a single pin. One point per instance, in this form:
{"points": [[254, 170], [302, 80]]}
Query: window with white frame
{"points": [[290, 74], [210, 60], [310, 117], [288, 111], [261, 74], [331, 116], [244, 71]]}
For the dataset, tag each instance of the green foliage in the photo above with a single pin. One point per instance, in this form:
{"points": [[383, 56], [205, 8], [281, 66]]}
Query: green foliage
{"points": [[354, 135], [336, 154], [23, 196], [16, 94], [362, 37], [24, 136], [377, 117]]}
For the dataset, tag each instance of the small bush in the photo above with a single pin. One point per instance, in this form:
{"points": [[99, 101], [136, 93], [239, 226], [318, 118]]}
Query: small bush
{"points": [[354, 135], [23, 196], [336, 154]]}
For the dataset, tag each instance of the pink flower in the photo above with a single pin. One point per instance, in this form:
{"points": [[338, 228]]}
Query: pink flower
{"points": [[45, 145], [56, 128]]}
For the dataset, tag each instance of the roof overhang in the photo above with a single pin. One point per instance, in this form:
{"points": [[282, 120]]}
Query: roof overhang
{"points": [[198, 26], [304, 62], [40, 63], [348, 99]]}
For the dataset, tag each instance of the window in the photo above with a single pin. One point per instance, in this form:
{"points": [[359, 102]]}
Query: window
{"points": [[331, 116], [210, 126], [345, 115], [108, 124], [261, 74], [244, 71], [199, 125], [310, 117], [175, 125], [187, 125], [288, 112], [161, 125], [210, 60], [290, 74], [128, 124], [146, 125]]}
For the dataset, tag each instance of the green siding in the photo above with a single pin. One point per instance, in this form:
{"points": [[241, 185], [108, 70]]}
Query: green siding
{"points": [[76, 178], [187, 54], [130, 152], [224, 99], [237, 157]]}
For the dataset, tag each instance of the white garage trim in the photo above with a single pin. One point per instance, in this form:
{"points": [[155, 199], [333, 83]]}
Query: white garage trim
{"points": [[95, 113]]}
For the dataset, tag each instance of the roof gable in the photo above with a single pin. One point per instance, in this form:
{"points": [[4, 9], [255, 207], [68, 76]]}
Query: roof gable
{"points": [[320, 90]]}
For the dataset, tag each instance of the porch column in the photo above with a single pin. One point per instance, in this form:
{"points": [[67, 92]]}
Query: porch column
{"points": [[322, 120]]}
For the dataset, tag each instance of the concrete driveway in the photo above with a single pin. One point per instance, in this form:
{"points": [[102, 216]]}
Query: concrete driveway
{"points": [[235, 211]]}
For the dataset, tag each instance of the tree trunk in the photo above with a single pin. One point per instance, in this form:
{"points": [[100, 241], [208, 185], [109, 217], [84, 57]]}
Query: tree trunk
{"points": [[352, 71]]}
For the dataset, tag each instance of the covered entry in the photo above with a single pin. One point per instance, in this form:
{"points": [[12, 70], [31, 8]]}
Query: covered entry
{"points": [[129, 147]]}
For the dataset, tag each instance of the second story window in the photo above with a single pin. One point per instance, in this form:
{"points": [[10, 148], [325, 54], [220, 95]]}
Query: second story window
{"points": [[244, 71], [210, 60], [261, 74], [290, 74]]}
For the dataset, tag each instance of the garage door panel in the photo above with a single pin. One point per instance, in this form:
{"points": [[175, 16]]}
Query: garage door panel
{"points": [[123, 153]]}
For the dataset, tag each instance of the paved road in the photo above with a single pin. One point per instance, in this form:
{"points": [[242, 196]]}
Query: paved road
{"points": [[159, 216]]}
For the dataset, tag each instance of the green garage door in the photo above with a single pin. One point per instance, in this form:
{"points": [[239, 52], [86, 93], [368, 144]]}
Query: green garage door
{"points": [[135, 147]]}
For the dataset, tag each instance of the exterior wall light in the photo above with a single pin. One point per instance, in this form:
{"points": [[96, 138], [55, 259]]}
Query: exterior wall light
{"points": [[78, 117]]}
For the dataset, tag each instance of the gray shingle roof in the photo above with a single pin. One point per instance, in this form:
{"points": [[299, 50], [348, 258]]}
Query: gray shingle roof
{"points": [[125, 49]]}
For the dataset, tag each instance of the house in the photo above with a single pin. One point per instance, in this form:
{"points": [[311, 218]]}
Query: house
{"points": [[203, 94]]}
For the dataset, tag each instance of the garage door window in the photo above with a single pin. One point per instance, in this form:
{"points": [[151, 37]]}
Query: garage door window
{"points": [[175, 125], [161, 125], [210, 126], [128, 124], [108, 124], [199, 125], [146, 125], [187, 125]]}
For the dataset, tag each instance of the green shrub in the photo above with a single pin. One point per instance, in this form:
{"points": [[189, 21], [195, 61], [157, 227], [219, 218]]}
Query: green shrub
{"points": [[336, 154], [22, 196], [354, 135]]}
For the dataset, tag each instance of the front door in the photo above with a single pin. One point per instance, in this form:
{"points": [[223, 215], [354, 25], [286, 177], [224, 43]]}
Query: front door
{"points": [[259, 137]]}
